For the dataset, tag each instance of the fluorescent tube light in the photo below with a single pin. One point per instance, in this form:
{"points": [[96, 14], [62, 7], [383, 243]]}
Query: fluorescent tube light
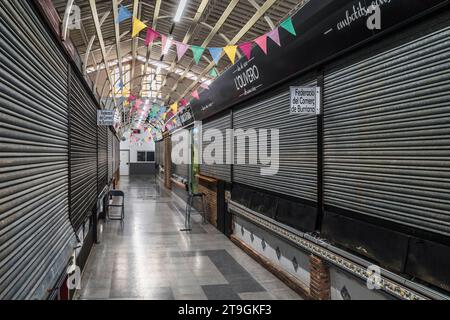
{"points": [[180, 10]]}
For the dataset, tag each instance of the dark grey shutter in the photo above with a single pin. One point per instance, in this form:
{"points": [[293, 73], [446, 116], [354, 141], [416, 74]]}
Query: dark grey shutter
{"points": [[110, 155], [102, 164], [218, 171], [36, 236], [116, 155], [387, 135], [158, 152], [297, 174], [83, 152], [180, 170]]}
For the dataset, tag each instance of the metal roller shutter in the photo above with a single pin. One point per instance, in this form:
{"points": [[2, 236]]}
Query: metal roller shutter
{"points": [[179, 169], [110, 156], [297, 174], [157, 153], [83, 152], [116, 155], [220, 171], [387, 134], [36, 236], [102, 164]]}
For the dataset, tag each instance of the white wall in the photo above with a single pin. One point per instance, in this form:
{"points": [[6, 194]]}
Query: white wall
{"points": [[135, 147]]}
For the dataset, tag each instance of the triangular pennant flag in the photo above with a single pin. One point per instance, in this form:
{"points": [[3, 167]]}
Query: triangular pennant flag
{"points": [[231, 52], [288, 26], [163, 42], [138, 26], [216, 53], [120, 84], [131, 98], [152, 35], [198, 52], [262, 42], [213, 73], [246, 49], [174, 107], [124, 14], [275, 36], [204, 86], [195, 95], [183, 102], [181, 49]]}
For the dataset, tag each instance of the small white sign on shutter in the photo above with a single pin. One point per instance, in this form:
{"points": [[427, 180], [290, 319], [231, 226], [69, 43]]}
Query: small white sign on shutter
{"points": [[305, 100], [105, 117]]}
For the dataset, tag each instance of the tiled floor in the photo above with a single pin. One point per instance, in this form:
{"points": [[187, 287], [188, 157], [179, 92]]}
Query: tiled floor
{"points": [[147, 257]]}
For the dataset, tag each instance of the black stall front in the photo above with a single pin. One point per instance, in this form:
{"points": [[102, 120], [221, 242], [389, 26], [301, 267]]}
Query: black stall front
{"points": [[370, 174]]}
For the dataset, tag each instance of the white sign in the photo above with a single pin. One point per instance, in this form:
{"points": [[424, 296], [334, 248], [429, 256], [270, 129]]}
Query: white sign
{"points": [[305, 100], [105, 117]]}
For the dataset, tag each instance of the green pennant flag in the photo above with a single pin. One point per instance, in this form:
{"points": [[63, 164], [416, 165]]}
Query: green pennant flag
{"points": [[197, 51], [288, 26], [213, 73]]}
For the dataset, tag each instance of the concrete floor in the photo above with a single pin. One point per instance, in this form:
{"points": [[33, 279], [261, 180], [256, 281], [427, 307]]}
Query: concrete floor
{"points": [[147, 257]]}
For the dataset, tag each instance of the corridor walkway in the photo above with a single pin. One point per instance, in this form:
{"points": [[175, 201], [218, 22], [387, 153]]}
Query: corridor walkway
{"points": [[149, 258]]}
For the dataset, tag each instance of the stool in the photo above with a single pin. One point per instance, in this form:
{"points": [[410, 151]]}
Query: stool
{"points": [[118, 194], [187, 221]]}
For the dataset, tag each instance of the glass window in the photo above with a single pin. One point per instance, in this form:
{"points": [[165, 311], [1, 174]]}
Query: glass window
{"points": [[141, 156]]}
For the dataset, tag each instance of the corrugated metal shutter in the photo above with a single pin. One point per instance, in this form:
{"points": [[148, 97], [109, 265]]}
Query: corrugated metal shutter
{"points": [[179, 169], [36, 237], [157, 152], [387, 134], [116, 155], [83, 152], [110, 155], [297, 174], [102, 164], [219, 171]]}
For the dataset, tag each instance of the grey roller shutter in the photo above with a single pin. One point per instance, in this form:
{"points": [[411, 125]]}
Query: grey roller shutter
{"points": [[297, 174], [110, 155], [102, 163], [83, 152], [387, 135], [180, 170], [218, 171], [158, 152], [36, 236], [116, 155]]}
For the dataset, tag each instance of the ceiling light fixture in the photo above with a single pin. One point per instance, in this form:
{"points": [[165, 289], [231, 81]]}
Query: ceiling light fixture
{"points": [[180, 10]]}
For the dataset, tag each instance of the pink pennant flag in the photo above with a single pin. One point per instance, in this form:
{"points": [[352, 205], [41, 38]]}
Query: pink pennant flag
{"points": [[163, 42], [152, 35], [204, 86], [138, 103], [275, 36], [246, 49], [131, 98], [181, 49], [195, 95], [262, 42], [183, 102]]}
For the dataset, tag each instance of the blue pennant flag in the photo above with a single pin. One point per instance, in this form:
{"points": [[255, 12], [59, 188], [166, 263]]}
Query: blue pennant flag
{"points": [[120, 85], [124, 14], [216, 54]]}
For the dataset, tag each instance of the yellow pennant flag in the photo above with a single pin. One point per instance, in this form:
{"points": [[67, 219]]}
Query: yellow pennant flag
{"points": [[231, 52], [174, 107], [138, 26]]}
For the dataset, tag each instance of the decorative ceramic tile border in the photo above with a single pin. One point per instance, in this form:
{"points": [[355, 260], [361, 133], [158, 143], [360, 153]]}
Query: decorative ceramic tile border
{"points": [[386, 284]]}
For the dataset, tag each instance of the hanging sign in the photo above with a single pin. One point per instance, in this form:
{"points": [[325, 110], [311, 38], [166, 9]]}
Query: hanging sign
{"points": [[105, 117], [305, 100]]}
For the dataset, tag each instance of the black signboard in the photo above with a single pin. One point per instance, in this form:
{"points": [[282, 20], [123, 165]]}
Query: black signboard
{"points": [[186, 117], [325, 29]]}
